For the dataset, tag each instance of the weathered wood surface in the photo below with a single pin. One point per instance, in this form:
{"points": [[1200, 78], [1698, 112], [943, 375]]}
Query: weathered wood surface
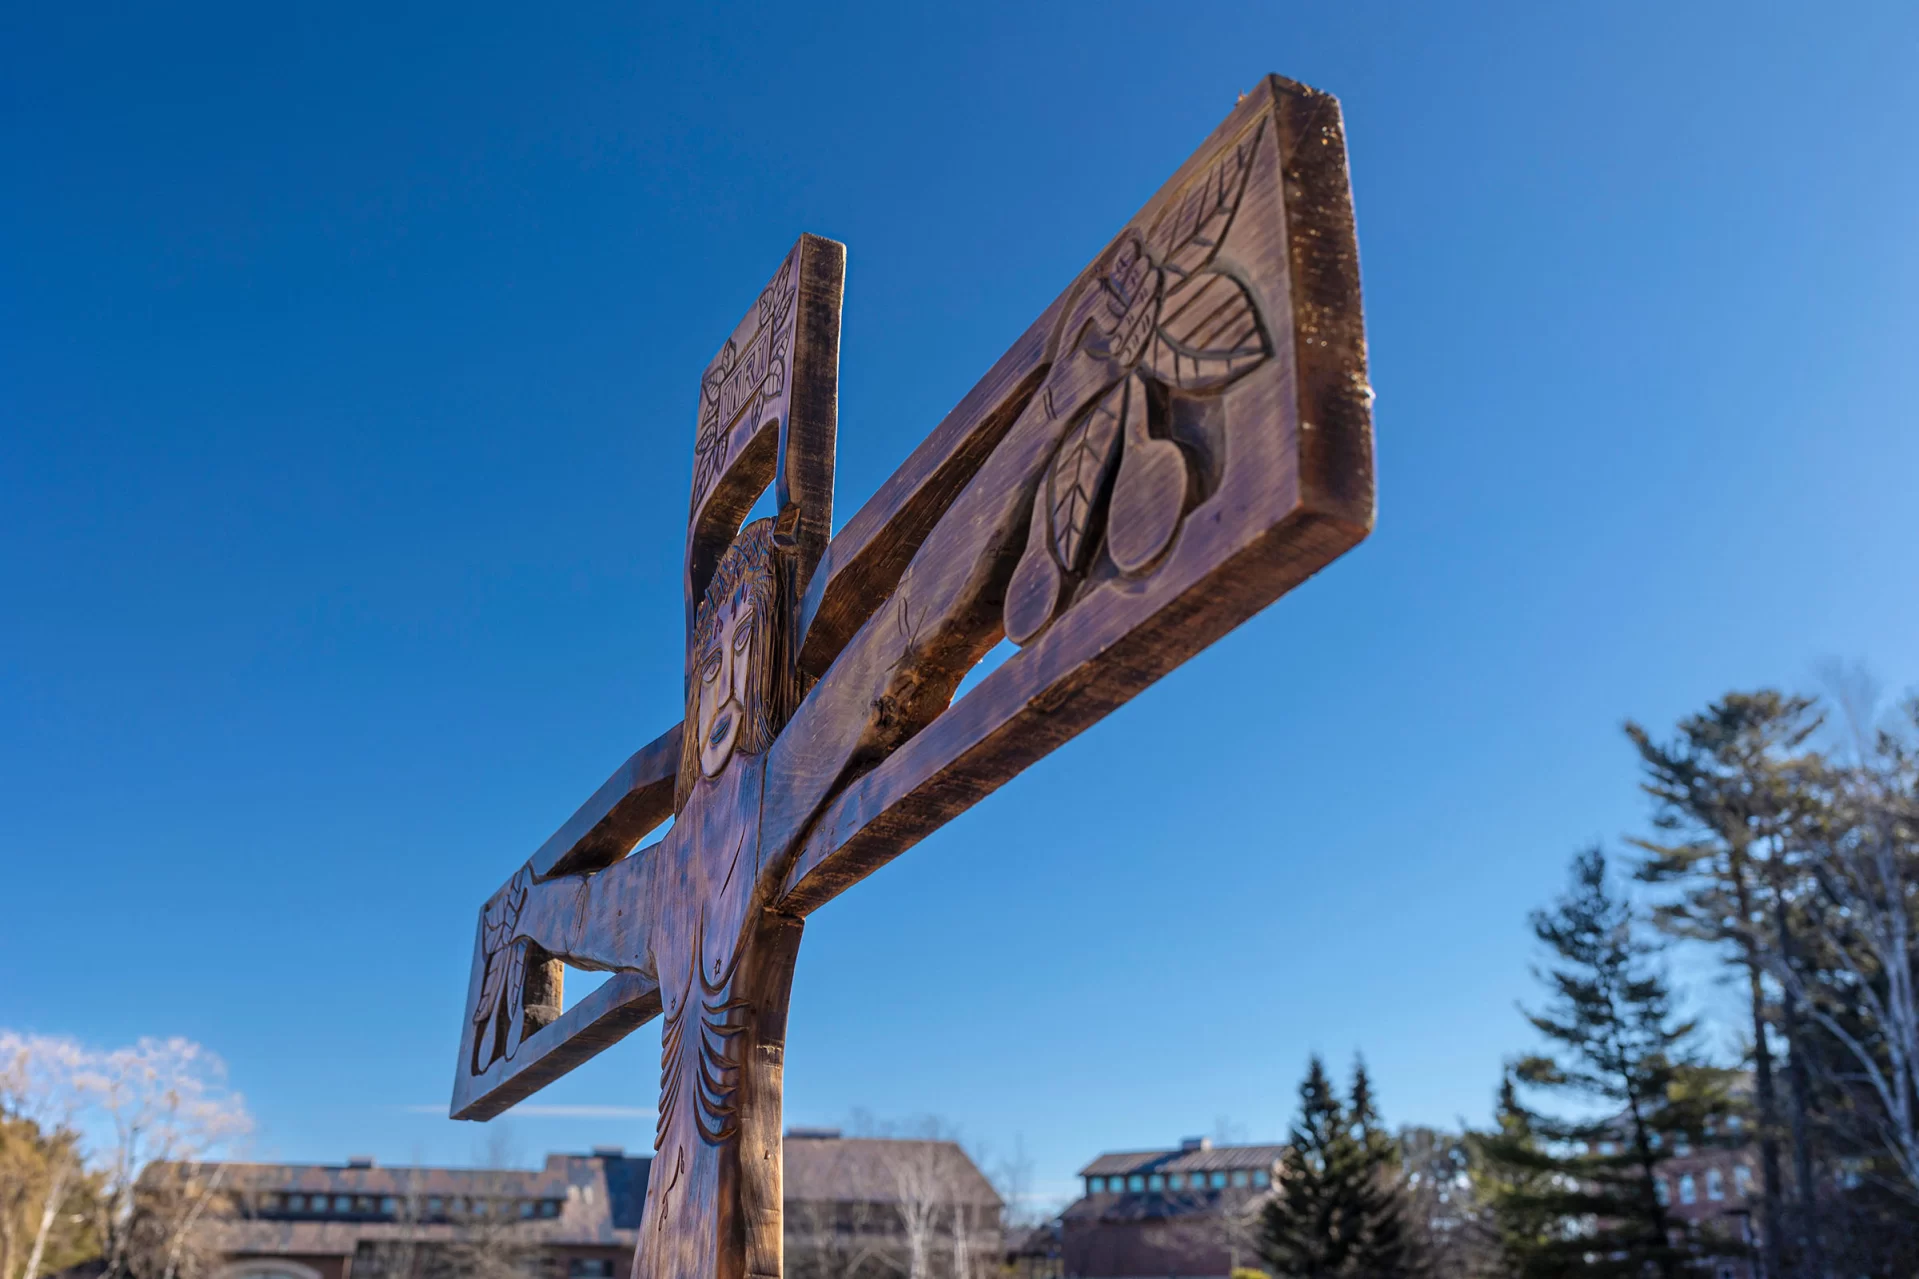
{"points": [[628, 806], [1182, 437]]}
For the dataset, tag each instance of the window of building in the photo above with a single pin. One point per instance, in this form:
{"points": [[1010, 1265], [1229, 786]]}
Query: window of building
{"points": [[1136, 1183], [389, 1205], [1239, 1178], [343, 1203], [589, 1268], [1608, 1148], [1219, 1181], [1682, 1145], [435, 1206], [296, 1203], [1095, 1185], [1688, 1192], [1662, 1190], [549, 1207], [1261, 1177], [363, 1203], [1176, 1181], [527, 1208], [1742, 1180], [1156, 1182]]}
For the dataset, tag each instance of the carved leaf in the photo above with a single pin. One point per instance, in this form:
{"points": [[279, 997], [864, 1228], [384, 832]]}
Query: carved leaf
{"points": [[1079, 474], [1208, 333], [1186, 236], [1128, 290]]}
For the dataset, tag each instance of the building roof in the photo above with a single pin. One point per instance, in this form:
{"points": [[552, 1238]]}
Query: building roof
{"points": [[597, 1200], [882, 1170], [1206, 1158], [600, 1199]]}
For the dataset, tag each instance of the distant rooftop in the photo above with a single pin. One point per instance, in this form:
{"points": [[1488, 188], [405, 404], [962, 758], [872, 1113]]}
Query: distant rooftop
{"points": [[1192, 1155]]}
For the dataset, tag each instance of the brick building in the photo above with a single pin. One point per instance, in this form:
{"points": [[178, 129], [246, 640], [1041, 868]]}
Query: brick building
{"points": [[854, 1207], [1183, 1213], [1712, 1188]]}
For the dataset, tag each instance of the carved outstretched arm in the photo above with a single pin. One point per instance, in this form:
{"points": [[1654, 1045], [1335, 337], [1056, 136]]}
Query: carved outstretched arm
{"points": [[602, 921], [599, 921]]}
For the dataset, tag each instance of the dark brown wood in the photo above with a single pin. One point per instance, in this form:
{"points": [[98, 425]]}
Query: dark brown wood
{"points": [[1181, 438], [768, 415], [629, 804]]}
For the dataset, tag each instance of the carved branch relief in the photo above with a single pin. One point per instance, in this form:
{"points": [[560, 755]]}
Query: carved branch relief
{"points": [[1159, 311]]}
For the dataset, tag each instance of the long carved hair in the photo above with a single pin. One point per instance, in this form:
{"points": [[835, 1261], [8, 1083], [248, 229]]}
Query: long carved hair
{"points": [[754, 568]]}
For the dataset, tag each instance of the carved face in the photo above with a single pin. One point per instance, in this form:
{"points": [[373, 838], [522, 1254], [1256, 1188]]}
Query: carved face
{"points": [[723, 672], [741, 685]]}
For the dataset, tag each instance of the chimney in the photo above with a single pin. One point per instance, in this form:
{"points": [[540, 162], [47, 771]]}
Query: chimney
{"points": [[609, 1152], [1189, 1144], [359, 1161]]}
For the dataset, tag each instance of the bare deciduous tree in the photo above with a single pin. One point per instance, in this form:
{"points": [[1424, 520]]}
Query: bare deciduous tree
{"points": [[145, 1114], [1864, 867]]}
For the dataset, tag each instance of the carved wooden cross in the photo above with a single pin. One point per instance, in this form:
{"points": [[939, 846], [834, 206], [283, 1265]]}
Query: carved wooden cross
{"points": [[1182, 437]]}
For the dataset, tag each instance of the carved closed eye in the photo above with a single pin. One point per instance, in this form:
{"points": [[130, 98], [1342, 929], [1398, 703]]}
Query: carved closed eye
{"points": [[710, 667], [743, 633]]}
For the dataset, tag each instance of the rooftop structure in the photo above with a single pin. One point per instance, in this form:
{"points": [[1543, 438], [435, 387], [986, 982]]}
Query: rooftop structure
{"points": [[1180, 1213], [578, 1217]]}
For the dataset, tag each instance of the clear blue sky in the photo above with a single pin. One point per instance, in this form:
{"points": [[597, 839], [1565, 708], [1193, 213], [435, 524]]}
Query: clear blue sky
{"points": [[347, 372]]}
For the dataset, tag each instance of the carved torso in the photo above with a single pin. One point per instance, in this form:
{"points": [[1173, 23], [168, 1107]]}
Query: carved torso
{"points": [[705, 959]]}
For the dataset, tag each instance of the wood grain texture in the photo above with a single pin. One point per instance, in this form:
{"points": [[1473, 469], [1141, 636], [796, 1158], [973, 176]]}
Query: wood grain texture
{"points": [[1181, 438], [768, 415], [628, 805], [1270, 425]]}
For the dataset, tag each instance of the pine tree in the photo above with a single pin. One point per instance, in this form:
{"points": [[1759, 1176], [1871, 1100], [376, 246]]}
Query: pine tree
{"points": [[1337, 1213], [1383, 1247], [1512, 1173], [1582, 1196], [1728, 790]]}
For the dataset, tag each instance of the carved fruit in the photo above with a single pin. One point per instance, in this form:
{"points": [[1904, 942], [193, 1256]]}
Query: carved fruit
{"points": [[1150, 494], [1034, 592], [1148, 499]]}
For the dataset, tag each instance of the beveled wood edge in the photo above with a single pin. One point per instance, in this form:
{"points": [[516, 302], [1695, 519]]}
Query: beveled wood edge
{"points": [[626, 1002], [993, 733], [630, 803], [805, 474], [865, 559], [1335, 395], [990, 735], [793, 451]]}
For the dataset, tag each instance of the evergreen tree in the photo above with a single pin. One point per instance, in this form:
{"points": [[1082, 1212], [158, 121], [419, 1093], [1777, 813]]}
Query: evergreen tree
{"points": [[1512, 1173], [1582, 1196], [1337, 1212], [1730, 791], [1383, 1246]]}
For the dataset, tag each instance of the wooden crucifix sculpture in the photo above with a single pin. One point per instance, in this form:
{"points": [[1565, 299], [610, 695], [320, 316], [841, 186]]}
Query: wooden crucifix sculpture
{"points": [[1181, 438]]}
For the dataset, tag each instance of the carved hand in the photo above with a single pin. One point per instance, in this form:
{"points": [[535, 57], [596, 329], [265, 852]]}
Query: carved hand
{"points": [[505, 954]]}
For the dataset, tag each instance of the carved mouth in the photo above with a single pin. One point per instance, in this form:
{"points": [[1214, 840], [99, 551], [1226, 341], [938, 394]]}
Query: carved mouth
{"points": [[722, 724]]}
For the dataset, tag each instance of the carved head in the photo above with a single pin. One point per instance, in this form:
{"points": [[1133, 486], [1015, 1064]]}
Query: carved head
{"points": [[742, 682]]}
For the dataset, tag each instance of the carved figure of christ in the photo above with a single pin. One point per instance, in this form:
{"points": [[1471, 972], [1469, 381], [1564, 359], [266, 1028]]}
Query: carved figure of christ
{"points": [[1182, 437]]}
